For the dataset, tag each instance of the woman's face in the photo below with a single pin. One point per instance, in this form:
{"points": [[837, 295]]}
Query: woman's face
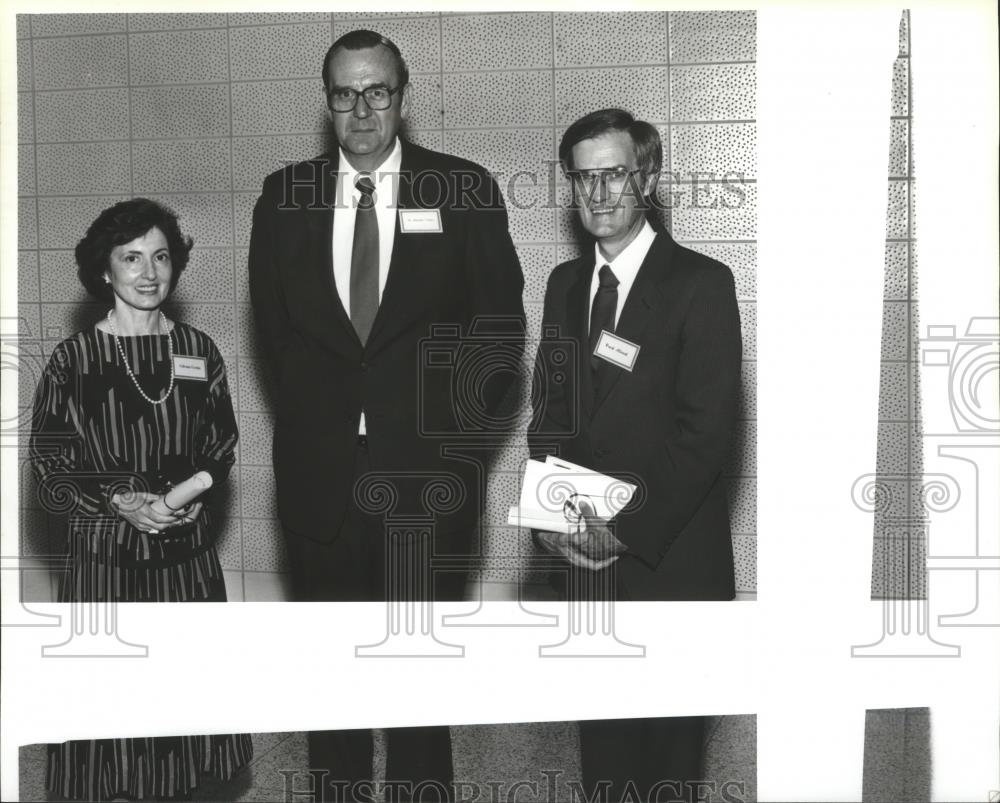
{"points": [[140, 271]]}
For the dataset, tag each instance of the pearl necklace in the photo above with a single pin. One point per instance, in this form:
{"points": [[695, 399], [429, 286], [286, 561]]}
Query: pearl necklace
{"points": [[128, 368]]}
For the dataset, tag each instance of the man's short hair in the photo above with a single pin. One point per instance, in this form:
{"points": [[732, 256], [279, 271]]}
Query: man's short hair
{"points": [[363, 39], [645, 137]]}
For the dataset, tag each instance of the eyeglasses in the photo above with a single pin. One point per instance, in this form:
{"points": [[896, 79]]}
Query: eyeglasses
{"points": [[612, 180], [378, 97]]}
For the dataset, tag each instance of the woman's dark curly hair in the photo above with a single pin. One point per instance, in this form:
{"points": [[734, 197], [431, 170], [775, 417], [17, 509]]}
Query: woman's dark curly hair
{"points": [[120, 224]]}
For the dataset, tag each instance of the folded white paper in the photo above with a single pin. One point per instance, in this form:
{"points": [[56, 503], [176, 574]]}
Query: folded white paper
{"points": [[551, 493]]}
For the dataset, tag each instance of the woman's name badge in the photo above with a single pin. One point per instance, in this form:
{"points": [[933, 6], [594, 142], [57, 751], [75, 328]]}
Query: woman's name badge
{"points": [[616, 350], [420, 221], [190, 368]]}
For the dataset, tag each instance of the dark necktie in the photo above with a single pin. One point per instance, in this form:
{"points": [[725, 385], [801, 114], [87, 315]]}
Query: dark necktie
{"points": [[364, 260], [602, 316]]}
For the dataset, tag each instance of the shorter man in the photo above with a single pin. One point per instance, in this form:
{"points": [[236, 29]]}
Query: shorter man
{"points": [[652, 399]]}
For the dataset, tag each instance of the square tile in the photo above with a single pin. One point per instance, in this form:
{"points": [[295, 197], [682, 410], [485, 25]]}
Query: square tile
{"points": [[246, 331], [640, 90], [743, 455], [208, 277], [267, 587], [279, 107], [215, 320], [254, 158], [894, 448], [702, 36], [63, 221], [169, 22], [207, 217], [418, 39], [899, 568], [80, 61], [495, 41], [180, 111], [243, 203], [895, 326], [27, 224], [528, 153], [229, 544], [481, 100], [273, 18], [258, 493], [23, 26], [256, 437], [178, 57], [197, 165], [88, 168], [904, 33], [897, 268], [26, 170], [748, 328], [25, 117], [745, 563], [748, 389], [27, 276], [898, 212], [68, 24], [537, 262], [278, 51], [899, 148], [264, 546], [618, 37], [58, 280], [713, 211], [900, 87], [95, 114], [898, 395], [430, 139], [531, 218], [24, 73], [713, 92], [242, 274], [714, 150], [742, 496], [425, 105]]}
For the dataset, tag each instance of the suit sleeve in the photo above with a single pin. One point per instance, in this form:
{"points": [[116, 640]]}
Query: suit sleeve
{"points": [[495, 284], [551, 392], [216, 441], [269, 308], [706, 398]]}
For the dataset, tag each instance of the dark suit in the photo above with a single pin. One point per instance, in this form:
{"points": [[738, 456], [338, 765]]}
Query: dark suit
{"points": [[323, 377], [666, 425]]}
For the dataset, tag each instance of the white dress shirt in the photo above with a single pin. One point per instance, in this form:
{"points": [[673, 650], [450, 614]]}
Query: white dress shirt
{"points": [[386, 180], [625, 266]]}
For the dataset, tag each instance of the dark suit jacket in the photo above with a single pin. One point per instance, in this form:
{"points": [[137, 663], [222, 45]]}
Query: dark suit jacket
{"points": [[323, 377], [667, 424]]}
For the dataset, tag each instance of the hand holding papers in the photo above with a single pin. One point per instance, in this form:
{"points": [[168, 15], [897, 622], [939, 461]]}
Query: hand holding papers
{"points": [[571, 506]]}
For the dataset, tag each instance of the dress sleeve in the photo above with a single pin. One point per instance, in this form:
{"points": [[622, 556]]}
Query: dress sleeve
{"points": [[67, 484], [215, 442]]}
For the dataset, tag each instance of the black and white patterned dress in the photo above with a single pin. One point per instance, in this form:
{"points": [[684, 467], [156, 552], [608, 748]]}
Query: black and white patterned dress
{"points": [[93, 435]]}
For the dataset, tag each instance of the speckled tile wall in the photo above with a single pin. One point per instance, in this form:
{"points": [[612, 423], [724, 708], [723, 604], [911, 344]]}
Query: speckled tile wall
{"points": [[195, 109], [900, 549]]}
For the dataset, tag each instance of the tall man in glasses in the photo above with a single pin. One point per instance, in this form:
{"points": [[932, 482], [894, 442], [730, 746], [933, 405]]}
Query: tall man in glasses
{"points": [[354, 257], [653, 398]]}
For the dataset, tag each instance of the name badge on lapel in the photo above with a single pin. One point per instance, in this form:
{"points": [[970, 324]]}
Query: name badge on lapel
{"points": [[190, 368], [616, 350], [420, 221]]}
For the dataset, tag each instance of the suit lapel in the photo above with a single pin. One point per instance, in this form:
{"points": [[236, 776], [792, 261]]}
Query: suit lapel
{"points": [[320, 226], [641, 304], [402, 286]]}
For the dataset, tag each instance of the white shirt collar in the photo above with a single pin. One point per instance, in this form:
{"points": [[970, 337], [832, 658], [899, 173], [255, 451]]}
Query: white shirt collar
{"points": [[626, 265]]}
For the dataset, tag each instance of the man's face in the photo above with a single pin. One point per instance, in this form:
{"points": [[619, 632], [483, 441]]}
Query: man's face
{"points": [[613, 214], [367, 135]]}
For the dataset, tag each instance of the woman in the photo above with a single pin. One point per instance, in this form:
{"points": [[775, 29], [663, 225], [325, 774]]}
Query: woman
{"points": [[124, 411]]}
